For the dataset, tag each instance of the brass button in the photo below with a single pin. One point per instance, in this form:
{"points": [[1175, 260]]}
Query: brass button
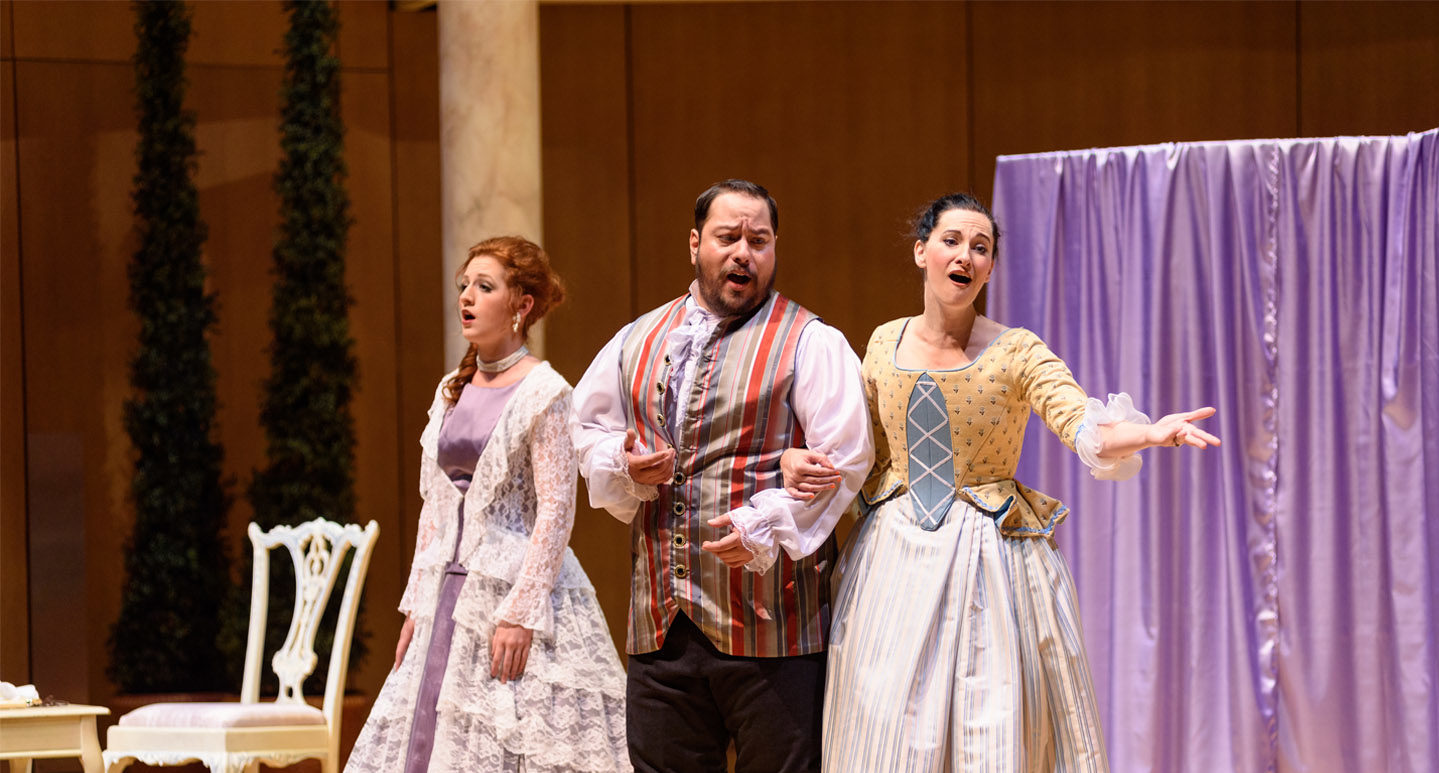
{"points": [[680, 541], [660, 417], [679, 508], [682, 571], [660, 387], [667, 359], [679, 477]]}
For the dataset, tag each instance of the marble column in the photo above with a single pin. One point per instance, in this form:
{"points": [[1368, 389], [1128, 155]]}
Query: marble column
{"points": [[489, 135]]}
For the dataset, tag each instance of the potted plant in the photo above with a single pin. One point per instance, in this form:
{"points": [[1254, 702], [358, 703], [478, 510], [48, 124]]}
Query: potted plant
{"points": [[176, 565]]}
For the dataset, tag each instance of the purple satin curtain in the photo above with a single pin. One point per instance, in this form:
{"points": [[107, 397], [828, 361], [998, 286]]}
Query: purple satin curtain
{"points": [[1272, 605]]}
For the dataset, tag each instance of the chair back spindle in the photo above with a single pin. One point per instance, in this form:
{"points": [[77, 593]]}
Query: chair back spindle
{"points": [[317, 550]]}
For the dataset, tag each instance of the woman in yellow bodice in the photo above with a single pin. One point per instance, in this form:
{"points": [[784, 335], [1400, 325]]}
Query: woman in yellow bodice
{"points": [[956, 643]]}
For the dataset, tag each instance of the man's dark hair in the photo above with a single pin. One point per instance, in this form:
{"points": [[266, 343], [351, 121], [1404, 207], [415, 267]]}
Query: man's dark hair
{"points": [[702, 204]]}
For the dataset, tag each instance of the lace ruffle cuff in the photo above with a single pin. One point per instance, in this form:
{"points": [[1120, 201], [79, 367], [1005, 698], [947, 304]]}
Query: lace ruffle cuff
{"points": [[756, 536], [619, 463], [1086, 441], [538, 615]]}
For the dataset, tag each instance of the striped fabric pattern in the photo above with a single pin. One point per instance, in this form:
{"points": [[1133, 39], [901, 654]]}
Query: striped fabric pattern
{"points": [[739, 422], [956, 649]]}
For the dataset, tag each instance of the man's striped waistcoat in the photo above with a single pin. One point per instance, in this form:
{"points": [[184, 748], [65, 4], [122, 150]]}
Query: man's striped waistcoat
{"points": [[738, 423]]}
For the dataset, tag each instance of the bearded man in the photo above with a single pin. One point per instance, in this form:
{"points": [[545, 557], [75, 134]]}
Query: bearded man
{"points": [[680, 423]]}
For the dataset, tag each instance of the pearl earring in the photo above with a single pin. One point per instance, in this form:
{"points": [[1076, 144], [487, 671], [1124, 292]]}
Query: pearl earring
{"points": [[515, 326]]}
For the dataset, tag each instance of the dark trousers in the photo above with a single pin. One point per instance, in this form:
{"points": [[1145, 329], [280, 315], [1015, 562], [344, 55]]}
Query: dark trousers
{"points": [[688, 700]]}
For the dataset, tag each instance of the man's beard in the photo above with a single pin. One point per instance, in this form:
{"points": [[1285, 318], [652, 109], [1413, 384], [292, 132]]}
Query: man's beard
{"points": [[712, 292]]}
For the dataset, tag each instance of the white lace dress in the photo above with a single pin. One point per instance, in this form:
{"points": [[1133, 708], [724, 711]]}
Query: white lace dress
{"points": [[567, 711]]}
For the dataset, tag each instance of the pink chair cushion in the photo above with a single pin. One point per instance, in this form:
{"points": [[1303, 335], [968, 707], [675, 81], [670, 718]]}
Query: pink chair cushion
{"points": [[223, 715]]}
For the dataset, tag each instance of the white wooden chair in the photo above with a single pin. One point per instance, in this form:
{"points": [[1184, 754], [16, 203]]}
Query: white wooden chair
{"points": [[237, 737]]}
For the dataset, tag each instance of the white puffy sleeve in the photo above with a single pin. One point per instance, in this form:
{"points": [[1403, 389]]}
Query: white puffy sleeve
{"points": [[828, 398], [598, 427]]}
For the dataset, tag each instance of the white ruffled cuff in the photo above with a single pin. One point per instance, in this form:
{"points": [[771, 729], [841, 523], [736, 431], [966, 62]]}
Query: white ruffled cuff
{"points": [[1086, 441], [539, 619], [757, 537], [621, 468]]}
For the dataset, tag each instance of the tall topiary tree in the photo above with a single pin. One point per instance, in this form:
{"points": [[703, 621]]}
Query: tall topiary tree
{"points": [[176, 565], [306, 412]]}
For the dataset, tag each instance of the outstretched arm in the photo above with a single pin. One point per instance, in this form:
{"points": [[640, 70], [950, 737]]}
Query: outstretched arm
{"points": [[1177, 429], [1106, 437]]}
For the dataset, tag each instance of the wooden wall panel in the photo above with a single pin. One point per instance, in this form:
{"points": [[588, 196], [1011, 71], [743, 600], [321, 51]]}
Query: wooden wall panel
{"points": [[364, 41], [586, 178], [237, 134], [74, 30], [584, 145], [418, 270], [76, 147], [370, 273], [1368, 68], [841, 110], [1055, 76], [14, 568], [7, 30], [238, 33]]}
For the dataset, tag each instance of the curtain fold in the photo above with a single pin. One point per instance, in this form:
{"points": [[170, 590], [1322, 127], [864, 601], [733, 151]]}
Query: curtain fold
{"points": [[1270, 605]]}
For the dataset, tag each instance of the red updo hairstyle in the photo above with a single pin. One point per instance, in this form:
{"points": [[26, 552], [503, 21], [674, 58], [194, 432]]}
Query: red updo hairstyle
{"points": [[527, 272]]}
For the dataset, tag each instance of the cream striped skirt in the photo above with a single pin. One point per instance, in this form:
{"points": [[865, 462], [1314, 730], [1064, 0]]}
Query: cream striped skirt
{"points": [[956, 650]]}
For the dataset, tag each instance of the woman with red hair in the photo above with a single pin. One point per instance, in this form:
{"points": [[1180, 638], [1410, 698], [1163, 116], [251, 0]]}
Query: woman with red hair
{"points": [[505, 662]]}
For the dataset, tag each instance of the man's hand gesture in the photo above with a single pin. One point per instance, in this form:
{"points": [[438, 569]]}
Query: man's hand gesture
{"points": [[649, 469]]}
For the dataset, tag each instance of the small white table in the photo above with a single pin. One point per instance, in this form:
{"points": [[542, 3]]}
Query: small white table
{"points": [[46, 732]]}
